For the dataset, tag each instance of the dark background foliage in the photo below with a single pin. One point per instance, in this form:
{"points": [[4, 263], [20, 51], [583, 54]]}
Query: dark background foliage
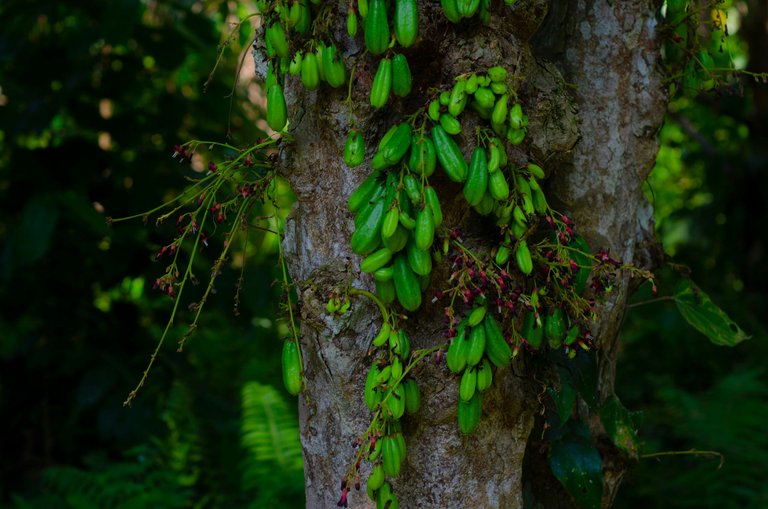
{"points": [[95, 95]]}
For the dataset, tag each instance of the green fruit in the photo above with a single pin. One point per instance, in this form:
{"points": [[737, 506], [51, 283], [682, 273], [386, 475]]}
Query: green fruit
{"points": [[486, 206], [523, 258], [275, 34], [371, 395], [403, 348], [383, 335], [515, 136], [477, 177], [573, 335], [406, 22], [458, 99], [536, 170], [498, 186], [499, 115], [497, 74], [476, 346], [354, 149], [451, 10], [424, 233], [367, 236], [485, 98], [517, 119], [376, 27], [433, 203], [382, 82], [295, 67], [376, 260], [362, 8], [384, 274], [401, 75], [393, 147], [484, 376], [277, 113], [386, 291], [333, 67], [433, 110], [305, 18], [390, 456], [376, 479], [449, 155], [364, 193], [291, 361], [310, 75], [423, 158], [468, 413], [398, 240], [468, 384], [450, 123], [456, 357], [391, 220], [412, 396], [554, 328], [351, 23], [419, 260], [406, 284], [496, 347], [476, 316]]}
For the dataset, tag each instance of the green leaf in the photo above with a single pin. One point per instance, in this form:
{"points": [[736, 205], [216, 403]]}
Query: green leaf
{"points": [[576, 463], [620, 425], [699, 311]]}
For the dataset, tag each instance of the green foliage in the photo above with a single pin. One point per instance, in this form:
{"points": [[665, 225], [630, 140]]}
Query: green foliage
{"points": [[270, 434], [699, 310], [577, 464]]}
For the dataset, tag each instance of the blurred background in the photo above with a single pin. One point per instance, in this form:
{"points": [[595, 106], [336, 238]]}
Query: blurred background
{"points": [[93, 97]]}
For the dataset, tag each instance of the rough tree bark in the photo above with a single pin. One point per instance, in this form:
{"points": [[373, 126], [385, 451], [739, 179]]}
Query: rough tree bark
{"points": [[592, 90]]}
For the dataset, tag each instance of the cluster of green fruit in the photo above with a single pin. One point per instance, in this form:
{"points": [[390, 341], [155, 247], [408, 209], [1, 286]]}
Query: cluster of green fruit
{"points": [[479, 340], [456, 10], [389, 395]]}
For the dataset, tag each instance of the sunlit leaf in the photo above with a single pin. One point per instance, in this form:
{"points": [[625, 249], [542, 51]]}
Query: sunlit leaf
{"points": [[620, 425], [699, 311]]}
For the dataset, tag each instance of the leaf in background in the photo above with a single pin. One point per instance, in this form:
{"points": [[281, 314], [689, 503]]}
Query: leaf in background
{"points": [[699, 311], [575, 462], [270, 434], [620, 425]]}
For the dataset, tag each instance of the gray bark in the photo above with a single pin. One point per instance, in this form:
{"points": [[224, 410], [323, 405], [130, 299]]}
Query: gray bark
{"points": [[596, 104]]}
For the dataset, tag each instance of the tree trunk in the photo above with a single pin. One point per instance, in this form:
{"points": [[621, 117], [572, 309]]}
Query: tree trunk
{"points": [[596, 104]]}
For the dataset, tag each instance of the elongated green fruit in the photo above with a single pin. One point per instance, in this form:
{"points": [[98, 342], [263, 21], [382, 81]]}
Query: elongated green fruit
{"points": [[406, 284], [433, 203], [499, 115], [310, 76], [386, 291], [376, 27], [498, 186], [333, 67], [354, 149], [412, 396], [295, 67], [468, 384], [477, 177], [370, 394], [469, 413], [424, 233], [397, 145], [496, 347], [419, 260], [403, 348], [382, 82], [376, 479], [523, 257], [362, 195], [291, 367], [451, 10], [368, 235], [485, 98], [362, 8], [351, 23], [384, 274], [484, 376], [476, 348], [382, 336], [458, 98], [406, 22], [401, 75], [433, 110], [573, 335], [376, 260], [276, 35], [390, 456], [391, 220], [476, 316], [450, 123], [423, 158], [449, 155], [456, 357], [277, 113]]}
